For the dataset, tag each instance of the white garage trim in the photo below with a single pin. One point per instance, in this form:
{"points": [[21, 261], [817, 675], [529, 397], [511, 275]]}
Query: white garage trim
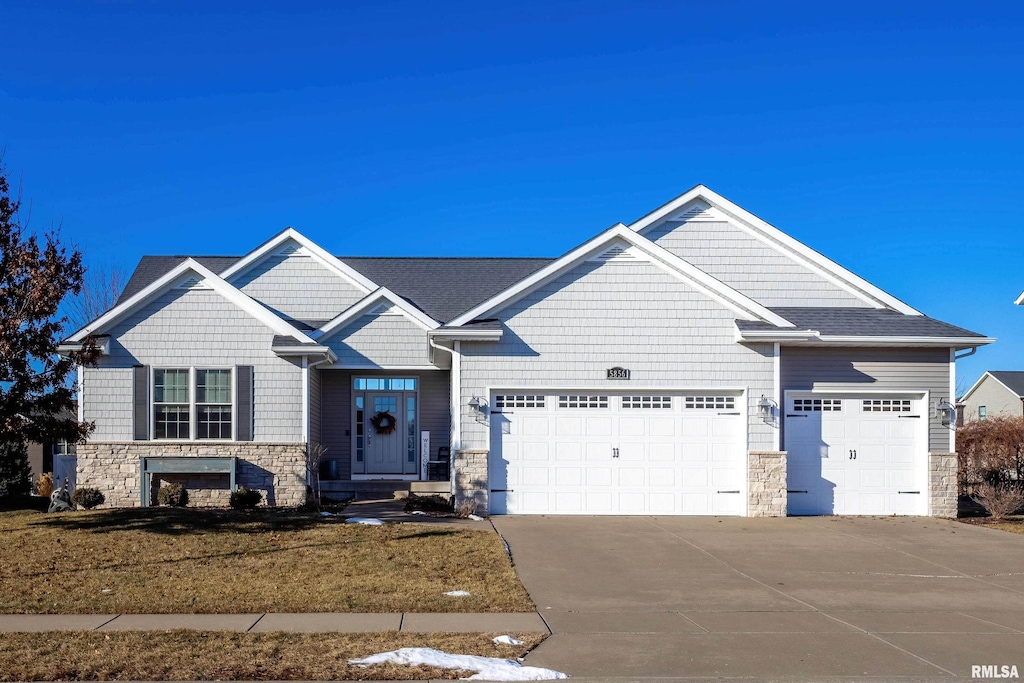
{"points": [[845, 482], [618, 450]]}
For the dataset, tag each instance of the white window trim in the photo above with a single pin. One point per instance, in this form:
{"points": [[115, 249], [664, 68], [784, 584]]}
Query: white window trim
{"points": [[193, 415]]}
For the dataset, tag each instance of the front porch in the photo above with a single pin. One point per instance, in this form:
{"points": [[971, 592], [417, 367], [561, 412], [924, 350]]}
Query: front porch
{"points": [[385, 433]]}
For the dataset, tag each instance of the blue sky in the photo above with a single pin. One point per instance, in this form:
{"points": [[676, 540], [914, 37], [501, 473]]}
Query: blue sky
{"points": [[887, 136]]}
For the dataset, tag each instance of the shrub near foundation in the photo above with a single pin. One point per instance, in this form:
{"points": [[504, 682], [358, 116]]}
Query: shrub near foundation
{"points": [[245, 499], [87, 498], [174, 495]]}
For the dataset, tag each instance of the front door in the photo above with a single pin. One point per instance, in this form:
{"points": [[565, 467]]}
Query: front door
{"points": [[385, 445]]}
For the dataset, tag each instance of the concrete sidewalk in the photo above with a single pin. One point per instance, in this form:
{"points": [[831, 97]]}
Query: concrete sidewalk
{"points": [[338, 622]]}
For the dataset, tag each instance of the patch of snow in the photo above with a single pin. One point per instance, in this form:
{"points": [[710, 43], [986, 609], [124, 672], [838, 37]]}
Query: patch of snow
{"points": [[325, 513], [107, 590], [418, 512], [487, 668], [457, 594], [364, 520], [507, 640], [476, 518]]}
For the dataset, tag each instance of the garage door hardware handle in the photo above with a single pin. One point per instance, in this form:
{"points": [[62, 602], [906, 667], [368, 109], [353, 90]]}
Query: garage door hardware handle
{"points": [[502, 412], [918, 492], [853, 455], [501, 490], [788, 491], [615, 452], [910, 417], [729, 413], [788, 415], [728, 491]]}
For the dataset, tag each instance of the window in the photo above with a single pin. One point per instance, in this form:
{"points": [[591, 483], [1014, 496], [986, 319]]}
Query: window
{"points": [[518, 401], [886, 405], [64, 448], [360, 426], [582, 401], [176, 407], [818, 405], [385, 384], [982, 412], [710, 402], [647, 402]]}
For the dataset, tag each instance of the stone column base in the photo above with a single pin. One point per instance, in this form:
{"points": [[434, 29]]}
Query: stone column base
{"points": [[471, 479], [766, 484], [942, 485]]}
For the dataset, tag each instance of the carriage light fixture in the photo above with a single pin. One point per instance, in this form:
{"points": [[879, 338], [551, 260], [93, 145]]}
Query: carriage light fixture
{"points": [[766, 408], [947, 412], [478, 404]]}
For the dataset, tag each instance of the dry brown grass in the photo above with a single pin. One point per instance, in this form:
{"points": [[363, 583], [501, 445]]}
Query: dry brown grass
{"points": [[182, 655], [161, 560], [1015, 525]]}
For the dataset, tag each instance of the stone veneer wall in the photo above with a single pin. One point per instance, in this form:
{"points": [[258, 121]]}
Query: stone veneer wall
{"points": [[471, 479], [276, 469], [766, 484], [942, 485]]}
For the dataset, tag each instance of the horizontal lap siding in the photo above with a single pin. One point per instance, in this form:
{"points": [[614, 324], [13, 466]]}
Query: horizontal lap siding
{"points": [[997, 399], [749, 265], [380, 340], [193, 328], [599, 316], [336, 409], [300, 287], [862, 369]]}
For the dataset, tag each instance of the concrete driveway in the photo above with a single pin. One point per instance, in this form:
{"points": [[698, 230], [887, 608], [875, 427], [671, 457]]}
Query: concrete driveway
{"points": [[796, 599]]}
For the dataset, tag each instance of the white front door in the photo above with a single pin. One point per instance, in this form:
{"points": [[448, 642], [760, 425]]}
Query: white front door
{"points": [[652, 453], [856, 455]]}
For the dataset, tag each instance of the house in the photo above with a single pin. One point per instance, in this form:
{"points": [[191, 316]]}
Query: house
{"points": [[52, 456], [997, 392], [696, 361]]}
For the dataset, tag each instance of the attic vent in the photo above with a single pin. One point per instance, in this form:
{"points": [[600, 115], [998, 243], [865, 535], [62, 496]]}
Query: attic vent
{"points": [[699, 213], [192, 283], [618, 253], [291, 250]]}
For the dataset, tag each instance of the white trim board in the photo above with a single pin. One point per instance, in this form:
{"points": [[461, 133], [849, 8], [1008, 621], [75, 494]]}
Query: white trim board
{"points": [[988, 373], [271, 246], [741, 304], [781, 242], [171, 279]]}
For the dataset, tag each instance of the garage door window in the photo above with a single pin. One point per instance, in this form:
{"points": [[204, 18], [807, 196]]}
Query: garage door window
{"points": [[886, 405], [818, 405], [582, 401], [518, 401], [645, 402], [710, 402]]}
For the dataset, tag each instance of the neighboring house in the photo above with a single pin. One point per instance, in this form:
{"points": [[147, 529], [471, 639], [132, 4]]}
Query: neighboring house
{"points": [[998, 392], [43, 457], [697, 361]]}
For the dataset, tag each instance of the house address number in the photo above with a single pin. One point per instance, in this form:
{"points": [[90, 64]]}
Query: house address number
{"points": [[618, 373]]}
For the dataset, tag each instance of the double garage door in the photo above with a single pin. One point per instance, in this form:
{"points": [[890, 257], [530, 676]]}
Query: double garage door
{"points": [[596, 453], [856, 455]]}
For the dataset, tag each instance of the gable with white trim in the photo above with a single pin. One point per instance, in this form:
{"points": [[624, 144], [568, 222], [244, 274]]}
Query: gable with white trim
{"points": [[383, 336], [296, 285], [192, 327], [601, 315], [703, 236]]}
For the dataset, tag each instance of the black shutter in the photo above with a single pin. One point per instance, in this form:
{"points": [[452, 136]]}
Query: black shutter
{"points": [[243, 402], [140, 402]]}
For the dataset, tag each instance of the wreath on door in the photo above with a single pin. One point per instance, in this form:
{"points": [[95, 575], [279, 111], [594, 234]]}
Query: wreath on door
{"points": [[384, 422]]}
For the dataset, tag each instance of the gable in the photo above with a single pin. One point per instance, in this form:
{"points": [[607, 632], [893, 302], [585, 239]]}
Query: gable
{"points": [[732, 255], [378, 340], [298, 286]]}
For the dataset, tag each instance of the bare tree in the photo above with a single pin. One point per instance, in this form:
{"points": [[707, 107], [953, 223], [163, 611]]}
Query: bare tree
{"points": [[100, 290], [314, 454]]}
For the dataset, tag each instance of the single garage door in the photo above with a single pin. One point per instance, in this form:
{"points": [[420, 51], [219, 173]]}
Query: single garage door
{"points": [[856, 455], [597, 453]]}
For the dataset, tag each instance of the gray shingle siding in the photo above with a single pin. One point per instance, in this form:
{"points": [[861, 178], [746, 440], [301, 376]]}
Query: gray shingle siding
{"points": [[298, 287], [377, 340], [749, 265], [860, 369], [193, 328], [598, 316]]}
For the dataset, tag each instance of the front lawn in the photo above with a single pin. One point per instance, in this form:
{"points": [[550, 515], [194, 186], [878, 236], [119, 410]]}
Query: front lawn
{"points": [[161, 560], [1014, 524], [217, 655]]}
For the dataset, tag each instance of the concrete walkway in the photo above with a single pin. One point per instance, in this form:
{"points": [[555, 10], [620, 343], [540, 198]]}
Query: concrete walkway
{"points": [[339, 622], [393, 512]]}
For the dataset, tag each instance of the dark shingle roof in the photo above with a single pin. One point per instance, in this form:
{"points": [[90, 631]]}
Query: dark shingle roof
{"points": [[1014, 380], [441, 287], [861, 322]]}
